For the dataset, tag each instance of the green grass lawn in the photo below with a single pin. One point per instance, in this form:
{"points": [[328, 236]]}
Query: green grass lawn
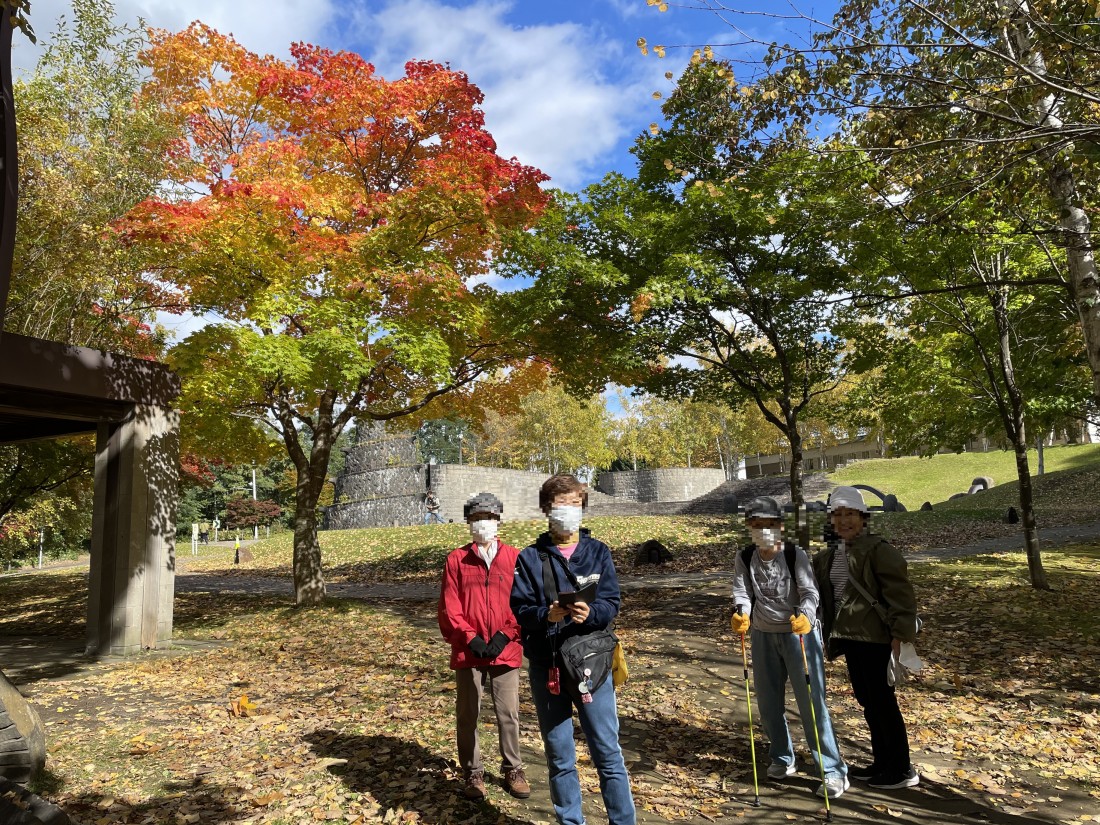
{"points": [[417, 553], [935, 479]]}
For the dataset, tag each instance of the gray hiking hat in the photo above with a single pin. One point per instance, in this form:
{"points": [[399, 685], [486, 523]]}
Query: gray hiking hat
{"points": [[483, 503], [763, 507]]}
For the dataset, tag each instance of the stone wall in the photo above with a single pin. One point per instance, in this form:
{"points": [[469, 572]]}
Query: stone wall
{"points": [[660, 485], [517, 489], [383, 484]]}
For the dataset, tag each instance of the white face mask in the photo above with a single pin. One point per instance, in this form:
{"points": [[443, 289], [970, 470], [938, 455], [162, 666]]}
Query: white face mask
{"points": [[484, 531], [565, 520], [764, 537]]}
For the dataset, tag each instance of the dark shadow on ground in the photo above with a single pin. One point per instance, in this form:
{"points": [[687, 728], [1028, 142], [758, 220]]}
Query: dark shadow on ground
{"points": [[195, 801], [400, 774]]}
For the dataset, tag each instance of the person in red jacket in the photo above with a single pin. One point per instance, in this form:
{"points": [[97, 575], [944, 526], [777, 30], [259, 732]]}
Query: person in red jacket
{"points": [[475, 616]]}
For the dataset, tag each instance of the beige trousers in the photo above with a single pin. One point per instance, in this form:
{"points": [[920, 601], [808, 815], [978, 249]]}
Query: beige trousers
{"points": [[504, 688]]}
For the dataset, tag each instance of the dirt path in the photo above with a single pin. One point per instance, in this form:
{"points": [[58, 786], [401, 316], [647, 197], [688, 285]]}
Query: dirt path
{"points": [[677, 646]]}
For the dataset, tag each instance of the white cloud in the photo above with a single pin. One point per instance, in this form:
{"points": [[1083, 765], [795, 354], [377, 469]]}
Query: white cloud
{"points": [[556, 95], [263, 26], [564, 97]]}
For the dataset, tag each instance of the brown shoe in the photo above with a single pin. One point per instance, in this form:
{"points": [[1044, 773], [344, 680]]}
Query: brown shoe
{"points": [[516, 782], [475, 785]]}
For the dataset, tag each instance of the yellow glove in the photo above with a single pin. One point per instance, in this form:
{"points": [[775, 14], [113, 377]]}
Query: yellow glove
{"points": [[739, 623], [800, 625]]}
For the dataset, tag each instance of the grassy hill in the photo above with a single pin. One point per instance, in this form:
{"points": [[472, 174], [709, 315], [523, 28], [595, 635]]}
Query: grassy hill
{"points": [[935, 479]]}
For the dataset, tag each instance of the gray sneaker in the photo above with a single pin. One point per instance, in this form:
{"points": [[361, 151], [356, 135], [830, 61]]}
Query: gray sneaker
{"points": [[836, 785], [779, 770]]}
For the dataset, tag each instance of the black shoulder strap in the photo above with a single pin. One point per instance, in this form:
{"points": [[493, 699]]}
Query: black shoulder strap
{"points": [[790, 552], [549, 583], [746, 555]]}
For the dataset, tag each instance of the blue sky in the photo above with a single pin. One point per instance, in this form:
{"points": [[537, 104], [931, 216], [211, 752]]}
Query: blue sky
{"points": [[566, 88]]}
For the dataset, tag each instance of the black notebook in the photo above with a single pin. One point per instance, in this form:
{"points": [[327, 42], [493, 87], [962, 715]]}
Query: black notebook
{"points": [[586, 594]]}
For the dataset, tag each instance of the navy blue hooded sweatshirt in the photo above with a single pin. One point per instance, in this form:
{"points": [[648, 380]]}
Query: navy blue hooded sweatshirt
{"points": [[530, 604]]}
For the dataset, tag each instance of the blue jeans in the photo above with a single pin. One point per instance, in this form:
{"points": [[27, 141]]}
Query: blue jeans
{"points": [[600, 723], [777, 659], [430, 515]]}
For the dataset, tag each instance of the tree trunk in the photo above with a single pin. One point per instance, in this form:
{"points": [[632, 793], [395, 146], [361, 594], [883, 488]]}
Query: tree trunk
{"points": [[309, 579], [1039, 450], [1016, 431], [1076, 239], [795, 440], [1019, 39], [1027, 515]]}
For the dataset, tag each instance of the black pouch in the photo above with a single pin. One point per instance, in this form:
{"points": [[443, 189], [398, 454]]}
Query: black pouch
{"points": [[587, 659]]}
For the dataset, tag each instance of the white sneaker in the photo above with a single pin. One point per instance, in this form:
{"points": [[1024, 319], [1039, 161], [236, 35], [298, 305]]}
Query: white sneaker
{"points": [[835, 784], [891, 781], [778, 770]]}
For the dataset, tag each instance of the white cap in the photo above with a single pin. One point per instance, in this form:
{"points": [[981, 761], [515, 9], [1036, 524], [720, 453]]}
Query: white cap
{"points": [[848, 497]]}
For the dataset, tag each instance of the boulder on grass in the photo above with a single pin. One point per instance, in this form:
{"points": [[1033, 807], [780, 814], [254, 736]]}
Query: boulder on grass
{"points": [[652, 552]]}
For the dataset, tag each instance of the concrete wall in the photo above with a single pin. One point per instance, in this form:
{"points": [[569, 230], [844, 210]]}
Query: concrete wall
{"points": [[670, 484], [757, 466], [131, 576]]}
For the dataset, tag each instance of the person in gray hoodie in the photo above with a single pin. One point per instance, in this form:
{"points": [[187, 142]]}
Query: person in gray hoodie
{"points": [[775, 595]]}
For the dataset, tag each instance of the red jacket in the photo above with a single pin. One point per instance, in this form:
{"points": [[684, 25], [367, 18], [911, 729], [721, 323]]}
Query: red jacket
{"points": [[474, 601]]}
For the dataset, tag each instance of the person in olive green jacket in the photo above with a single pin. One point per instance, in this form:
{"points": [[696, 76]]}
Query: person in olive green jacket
{"points": [[855, 629]]}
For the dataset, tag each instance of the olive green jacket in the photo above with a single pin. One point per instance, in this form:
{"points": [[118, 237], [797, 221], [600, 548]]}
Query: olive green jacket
{"points": [[881, 569]]}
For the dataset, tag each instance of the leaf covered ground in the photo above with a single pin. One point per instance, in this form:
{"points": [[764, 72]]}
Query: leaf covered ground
{"points": [[345, 713]]}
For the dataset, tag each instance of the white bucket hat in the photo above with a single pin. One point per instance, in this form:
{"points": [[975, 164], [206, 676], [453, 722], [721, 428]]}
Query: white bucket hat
{"points": [[848, 497]]}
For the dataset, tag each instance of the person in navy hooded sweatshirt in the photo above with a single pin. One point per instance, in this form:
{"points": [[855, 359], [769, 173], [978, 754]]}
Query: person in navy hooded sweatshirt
{"points": [[544, 625]]}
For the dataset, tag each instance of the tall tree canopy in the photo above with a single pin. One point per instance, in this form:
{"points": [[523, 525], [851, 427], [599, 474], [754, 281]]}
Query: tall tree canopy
{"points": [[88, 153], [711, 272], [332, 220]]}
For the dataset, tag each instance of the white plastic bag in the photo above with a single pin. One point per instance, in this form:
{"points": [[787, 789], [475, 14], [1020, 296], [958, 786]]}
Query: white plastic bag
{"points": [[902, 664]]}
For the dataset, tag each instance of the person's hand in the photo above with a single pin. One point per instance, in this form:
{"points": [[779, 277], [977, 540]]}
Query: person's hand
{"points": [[800, 625], [739, 623], [479, 648], [895, 647], [579, 611], [497, 644], [557, 613]]}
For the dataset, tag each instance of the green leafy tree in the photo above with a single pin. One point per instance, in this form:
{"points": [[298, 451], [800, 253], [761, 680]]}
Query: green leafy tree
{"points": [[561, 433], [89, 152], [978, 354], [709, 274]]}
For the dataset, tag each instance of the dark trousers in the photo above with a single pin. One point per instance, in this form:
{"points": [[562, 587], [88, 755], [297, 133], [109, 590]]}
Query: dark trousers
{"points": [[867, 662]]}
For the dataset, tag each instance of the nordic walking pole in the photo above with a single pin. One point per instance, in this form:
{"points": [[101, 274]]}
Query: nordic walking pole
{"points": [[817, 733], [752, 736]]}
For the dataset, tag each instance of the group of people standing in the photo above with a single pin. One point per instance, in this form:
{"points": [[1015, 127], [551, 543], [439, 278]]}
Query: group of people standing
{"points": [[499, 604], [855, 600]]}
